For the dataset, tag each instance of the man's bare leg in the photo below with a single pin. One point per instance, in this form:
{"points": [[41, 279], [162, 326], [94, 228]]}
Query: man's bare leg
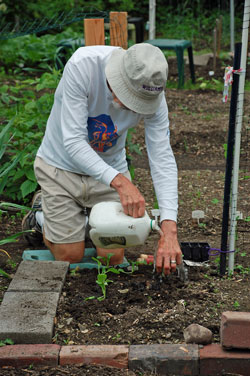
{"points": [[116, 259], [71, 252]]}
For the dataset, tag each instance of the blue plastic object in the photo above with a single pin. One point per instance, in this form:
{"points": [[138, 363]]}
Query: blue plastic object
{"points": [[86, 263]]}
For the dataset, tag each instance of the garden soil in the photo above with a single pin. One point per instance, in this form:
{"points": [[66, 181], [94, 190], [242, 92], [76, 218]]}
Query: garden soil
{"points": [[142, 308]]}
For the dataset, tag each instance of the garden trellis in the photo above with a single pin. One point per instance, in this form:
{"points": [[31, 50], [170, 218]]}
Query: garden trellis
{"points": [[239, 156]]}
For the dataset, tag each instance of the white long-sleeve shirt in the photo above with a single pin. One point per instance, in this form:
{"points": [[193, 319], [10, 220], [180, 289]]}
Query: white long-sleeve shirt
{"points": [[85, 134]]}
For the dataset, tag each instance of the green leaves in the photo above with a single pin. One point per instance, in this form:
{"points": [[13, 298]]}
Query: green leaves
{"points": [[6, 275], [28, 187], [13, 238], [6, 341], [22, 135]]}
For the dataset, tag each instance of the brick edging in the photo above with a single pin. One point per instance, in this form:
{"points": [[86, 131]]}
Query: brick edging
{"points": [[163, 359]]}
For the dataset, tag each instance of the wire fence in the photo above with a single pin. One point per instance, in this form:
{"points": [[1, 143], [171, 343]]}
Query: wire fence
{"points": [[12, 30]]}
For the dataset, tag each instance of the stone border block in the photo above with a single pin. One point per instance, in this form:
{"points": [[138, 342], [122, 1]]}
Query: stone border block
{"points": [[109, 355], [165, 359], [216, 361], [28, 317], [235, 330], [25, 355], [40, 276]]}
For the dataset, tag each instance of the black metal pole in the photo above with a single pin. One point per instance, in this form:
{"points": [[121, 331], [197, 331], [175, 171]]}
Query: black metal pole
{"points": [[229, 160]]}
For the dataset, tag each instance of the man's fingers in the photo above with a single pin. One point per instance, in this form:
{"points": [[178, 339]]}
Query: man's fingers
{"points": [[133, 208], [141, 208], [179, 258]]}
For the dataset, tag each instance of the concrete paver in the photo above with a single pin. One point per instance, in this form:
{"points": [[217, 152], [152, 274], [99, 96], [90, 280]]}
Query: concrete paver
{"points": [[28, 317], [165, 359], [43, 276]]}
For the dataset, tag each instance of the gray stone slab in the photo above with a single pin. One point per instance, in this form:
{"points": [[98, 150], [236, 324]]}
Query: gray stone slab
{"points": [[39, 276], [201, 60], [28, 317], [165, 359]]}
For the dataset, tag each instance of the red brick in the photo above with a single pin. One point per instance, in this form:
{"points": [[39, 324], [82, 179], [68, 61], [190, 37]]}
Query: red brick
{"points": [[24, 355], [115, 356], [215, 361], [235, 330]]}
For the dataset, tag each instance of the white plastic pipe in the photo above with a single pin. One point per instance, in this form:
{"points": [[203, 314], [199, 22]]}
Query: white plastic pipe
{"points": [[239, 116], [152, 6]]}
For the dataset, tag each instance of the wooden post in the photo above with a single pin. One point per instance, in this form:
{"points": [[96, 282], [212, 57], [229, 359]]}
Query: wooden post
{"points": [[118, 29], [94, 31]]}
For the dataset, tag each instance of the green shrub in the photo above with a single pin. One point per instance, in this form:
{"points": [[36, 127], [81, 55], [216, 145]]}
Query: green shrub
{"points": [[22, 136]]}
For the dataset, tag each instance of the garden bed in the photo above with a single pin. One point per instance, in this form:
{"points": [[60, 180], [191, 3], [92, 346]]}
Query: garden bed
{"points": [[140, 309]]}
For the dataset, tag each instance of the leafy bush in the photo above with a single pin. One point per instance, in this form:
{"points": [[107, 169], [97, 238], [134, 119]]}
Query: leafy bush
{"points": [[32, 51], [22, 136]]}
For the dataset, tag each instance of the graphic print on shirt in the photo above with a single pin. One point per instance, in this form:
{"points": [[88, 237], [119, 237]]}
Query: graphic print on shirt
{"points": [[102, 132]]}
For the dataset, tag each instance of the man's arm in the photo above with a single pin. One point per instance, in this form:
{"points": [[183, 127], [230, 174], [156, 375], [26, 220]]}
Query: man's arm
{"points": [[164, 174], [168, 248], [132, 201]]}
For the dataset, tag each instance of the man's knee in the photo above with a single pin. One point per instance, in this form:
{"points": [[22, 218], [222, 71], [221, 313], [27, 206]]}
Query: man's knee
{"points": [[117, 255], [70, 252]]}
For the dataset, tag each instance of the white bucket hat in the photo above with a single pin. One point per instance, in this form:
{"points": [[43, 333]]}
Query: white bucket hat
{"points": [[138, 77]]}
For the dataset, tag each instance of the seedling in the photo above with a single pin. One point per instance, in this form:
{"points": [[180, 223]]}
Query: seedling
{"points": [[116, 337], [215, 201], [6, 341], [236, 304], [74, 272], [104, 268], [103, 281], [202, 225]]}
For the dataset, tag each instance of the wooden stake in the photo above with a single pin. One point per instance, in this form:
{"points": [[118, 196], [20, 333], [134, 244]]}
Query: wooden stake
{"points": [[94, 31], [118, 29]]}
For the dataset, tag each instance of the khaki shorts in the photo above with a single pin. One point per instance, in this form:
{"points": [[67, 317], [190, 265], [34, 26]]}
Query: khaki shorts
{"points": [[65, 195]]}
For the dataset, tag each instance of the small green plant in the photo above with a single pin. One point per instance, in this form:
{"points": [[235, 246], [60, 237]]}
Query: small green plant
{"points": [[102, 277], [74, 272], [103, 281], [241, 269], [11, 263], [103, 267], [236, 304], [116, 337], [202, 225], [215, 201], [6, 341], [243, 254]]}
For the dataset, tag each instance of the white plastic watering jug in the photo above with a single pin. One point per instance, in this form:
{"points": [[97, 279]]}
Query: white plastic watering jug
{"points": [[111, 228]]}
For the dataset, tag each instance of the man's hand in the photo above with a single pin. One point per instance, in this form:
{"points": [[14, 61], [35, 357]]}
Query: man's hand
{"points": [[169, 254], [132, 201]]}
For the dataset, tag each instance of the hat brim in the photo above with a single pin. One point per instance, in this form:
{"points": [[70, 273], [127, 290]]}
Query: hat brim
{"points": [[121, 89]]}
